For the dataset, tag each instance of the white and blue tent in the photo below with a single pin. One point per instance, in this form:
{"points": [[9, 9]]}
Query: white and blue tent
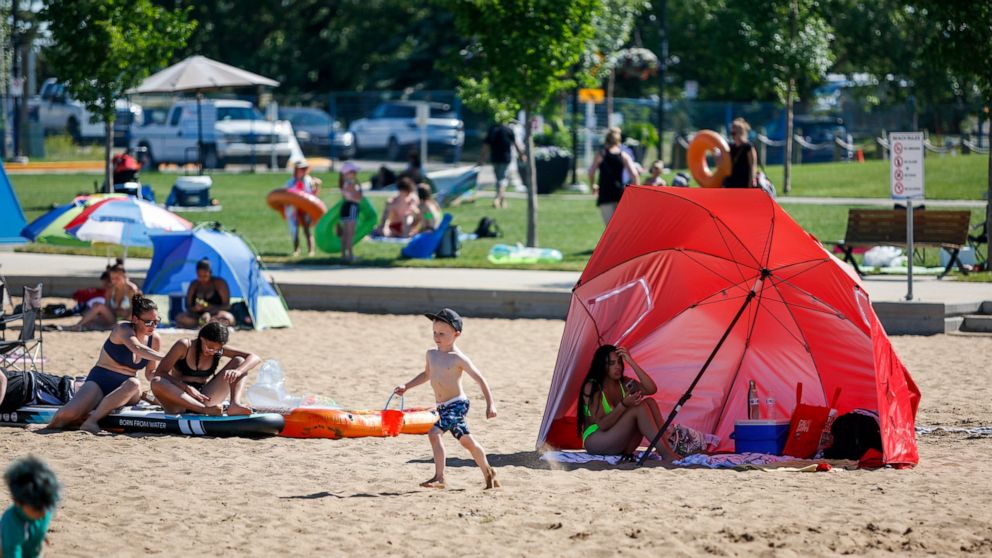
{"points": [[173, 267], [11, 215]]}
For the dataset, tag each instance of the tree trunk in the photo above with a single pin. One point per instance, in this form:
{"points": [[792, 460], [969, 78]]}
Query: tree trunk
{"points": [[787, 169], [108, 127], [531, 180]]}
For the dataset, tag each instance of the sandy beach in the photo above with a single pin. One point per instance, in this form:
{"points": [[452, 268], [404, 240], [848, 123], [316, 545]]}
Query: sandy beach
{"points": [[146, 495]]}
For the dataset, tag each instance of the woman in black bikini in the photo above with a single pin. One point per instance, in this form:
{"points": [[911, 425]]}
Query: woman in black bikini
{"points": [[113, 382], [188, 378], [207, 298]]}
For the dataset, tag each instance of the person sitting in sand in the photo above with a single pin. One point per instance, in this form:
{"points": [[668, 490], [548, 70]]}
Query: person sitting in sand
{"points": [[116, 303], [444, 368], [190, 377], [615, 413], [430, 212], [402, 211], [208, 298], [113, 381]]}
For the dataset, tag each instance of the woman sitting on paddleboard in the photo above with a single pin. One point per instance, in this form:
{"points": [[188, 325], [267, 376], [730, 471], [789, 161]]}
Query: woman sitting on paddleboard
{"points": [[190, 377], [113, 382]]}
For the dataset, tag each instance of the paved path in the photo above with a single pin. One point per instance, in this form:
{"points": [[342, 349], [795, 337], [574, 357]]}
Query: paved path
{"points": [[884, 288]]}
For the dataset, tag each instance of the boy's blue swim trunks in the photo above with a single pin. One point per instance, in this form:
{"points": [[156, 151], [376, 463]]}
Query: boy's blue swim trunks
{"points": [[452, 417]]}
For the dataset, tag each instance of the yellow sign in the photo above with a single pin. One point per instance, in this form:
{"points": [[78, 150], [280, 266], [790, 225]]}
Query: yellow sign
{"points": [[594, 96]]}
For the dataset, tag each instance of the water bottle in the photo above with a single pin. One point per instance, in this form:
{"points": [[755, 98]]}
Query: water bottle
{"points": [[753, 403], [771, 411]]}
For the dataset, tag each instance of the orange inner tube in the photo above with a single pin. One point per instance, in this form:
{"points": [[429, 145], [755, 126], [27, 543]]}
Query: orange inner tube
{"points": [[309, 204], [304, 422], [703, 142]]}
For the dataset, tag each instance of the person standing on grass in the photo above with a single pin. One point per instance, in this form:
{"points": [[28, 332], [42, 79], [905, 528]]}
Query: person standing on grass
{"points": [[610, 163], [743, 157], [499, 143], [444, 368], [301, 182], [351, 191]]}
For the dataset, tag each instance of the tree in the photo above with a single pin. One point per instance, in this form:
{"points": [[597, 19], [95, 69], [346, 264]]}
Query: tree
{"points": [[319, 46], [612, 25], [102, 48], [965, 45], [519, 56]]}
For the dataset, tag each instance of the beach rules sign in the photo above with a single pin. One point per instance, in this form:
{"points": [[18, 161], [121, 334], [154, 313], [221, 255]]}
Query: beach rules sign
{"points": [[906, 165]]}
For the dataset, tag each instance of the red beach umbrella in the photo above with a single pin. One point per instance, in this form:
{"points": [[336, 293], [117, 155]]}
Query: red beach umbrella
{"points": [[712, 288]]}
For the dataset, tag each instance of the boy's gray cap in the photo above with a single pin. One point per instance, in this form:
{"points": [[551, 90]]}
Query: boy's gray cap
{"points": [[448, 316]]}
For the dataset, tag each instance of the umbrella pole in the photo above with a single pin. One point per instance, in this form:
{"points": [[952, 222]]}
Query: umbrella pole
{"points": [[199, 132], [688, 393]]}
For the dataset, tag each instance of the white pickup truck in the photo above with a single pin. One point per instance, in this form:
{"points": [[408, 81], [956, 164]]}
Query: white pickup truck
{"points": [[232, 131], [59, 113]]}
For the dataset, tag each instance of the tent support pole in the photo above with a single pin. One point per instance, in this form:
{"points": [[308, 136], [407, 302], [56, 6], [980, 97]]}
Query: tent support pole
{"points": [[688, 393]]}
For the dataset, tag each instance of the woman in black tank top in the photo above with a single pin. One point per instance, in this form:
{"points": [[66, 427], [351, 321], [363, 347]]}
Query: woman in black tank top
{"points": [[188, 379], [743, 157], [610, 163]]}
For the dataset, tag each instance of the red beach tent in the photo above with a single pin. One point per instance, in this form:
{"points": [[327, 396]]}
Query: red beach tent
{"points": [[671, 272]]}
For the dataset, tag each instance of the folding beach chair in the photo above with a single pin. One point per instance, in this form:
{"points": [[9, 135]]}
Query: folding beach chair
{"points": [[25, 353]]}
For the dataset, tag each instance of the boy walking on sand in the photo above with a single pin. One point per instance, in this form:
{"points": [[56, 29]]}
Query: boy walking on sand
{"points": [[444, 368], [35, 491]]}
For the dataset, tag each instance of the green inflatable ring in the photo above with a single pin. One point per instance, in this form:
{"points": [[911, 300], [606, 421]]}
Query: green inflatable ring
{"points": [[326, 231]]}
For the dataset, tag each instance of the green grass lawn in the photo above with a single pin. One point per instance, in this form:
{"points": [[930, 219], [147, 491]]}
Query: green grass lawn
{"points": [[964, 177], [567, 222]]}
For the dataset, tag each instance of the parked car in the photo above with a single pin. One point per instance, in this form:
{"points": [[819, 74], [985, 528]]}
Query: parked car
{"points": [[59, 113], [817, 130], [393, 127], [317, 133], [233, 132]]}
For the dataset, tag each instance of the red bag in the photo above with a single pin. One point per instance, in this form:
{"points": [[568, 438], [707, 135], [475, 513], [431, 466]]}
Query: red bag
{"points": [[807, 425]]}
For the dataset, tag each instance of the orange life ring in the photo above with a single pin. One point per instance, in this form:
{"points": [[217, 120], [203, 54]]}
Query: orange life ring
{"points": [[305, 422], [702, 142], [310, 204]]}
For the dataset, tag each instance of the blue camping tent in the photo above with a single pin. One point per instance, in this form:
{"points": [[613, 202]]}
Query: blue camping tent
{"points": [[173, 267], [11, 216]]}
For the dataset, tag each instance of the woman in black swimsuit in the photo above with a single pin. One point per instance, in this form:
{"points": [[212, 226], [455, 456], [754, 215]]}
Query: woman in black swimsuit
{"points": [[207, 298], [188, 378], [113, 381]]}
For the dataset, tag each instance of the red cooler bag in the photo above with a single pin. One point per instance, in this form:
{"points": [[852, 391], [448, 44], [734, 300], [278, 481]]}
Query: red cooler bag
{"points": [[807, 425]]}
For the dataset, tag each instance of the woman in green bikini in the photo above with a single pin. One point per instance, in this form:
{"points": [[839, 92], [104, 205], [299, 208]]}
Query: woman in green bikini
{"points": [[615, 413]]}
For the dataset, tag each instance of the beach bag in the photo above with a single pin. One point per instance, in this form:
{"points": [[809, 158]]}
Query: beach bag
{"points": [[488, 228], [392, 419], [451, 243], [807, 426], [854, 434]]}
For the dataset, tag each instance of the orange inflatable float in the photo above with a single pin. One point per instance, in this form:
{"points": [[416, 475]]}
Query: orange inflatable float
{"points": [[703, 142], [306, 422], [307, 203]]}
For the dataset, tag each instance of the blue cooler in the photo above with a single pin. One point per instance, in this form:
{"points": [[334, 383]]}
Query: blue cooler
{"points": [[760, 436]]}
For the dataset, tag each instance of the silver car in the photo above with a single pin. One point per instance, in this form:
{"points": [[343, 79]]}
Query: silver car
{"points": [[393, 127]]}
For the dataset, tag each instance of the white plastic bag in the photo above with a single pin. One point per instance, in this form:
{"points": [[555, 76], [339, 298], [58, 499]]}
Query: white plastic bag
{"points": [[269, 391], [882, 256]]}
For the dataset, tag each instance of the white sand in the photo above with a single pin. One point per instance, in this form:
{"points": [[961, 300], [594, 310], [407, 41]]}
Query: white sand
{"points": [[175, 496]]}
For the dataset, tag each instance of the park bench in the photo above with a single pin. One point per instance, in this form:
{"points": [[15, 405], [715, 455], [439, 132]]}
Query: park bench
{"points": [[871, 227]]}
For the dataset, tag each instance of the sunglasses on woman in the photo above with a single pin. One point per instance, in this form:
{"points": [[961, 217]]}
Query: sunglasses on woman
{"points": [[149, 323]]}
